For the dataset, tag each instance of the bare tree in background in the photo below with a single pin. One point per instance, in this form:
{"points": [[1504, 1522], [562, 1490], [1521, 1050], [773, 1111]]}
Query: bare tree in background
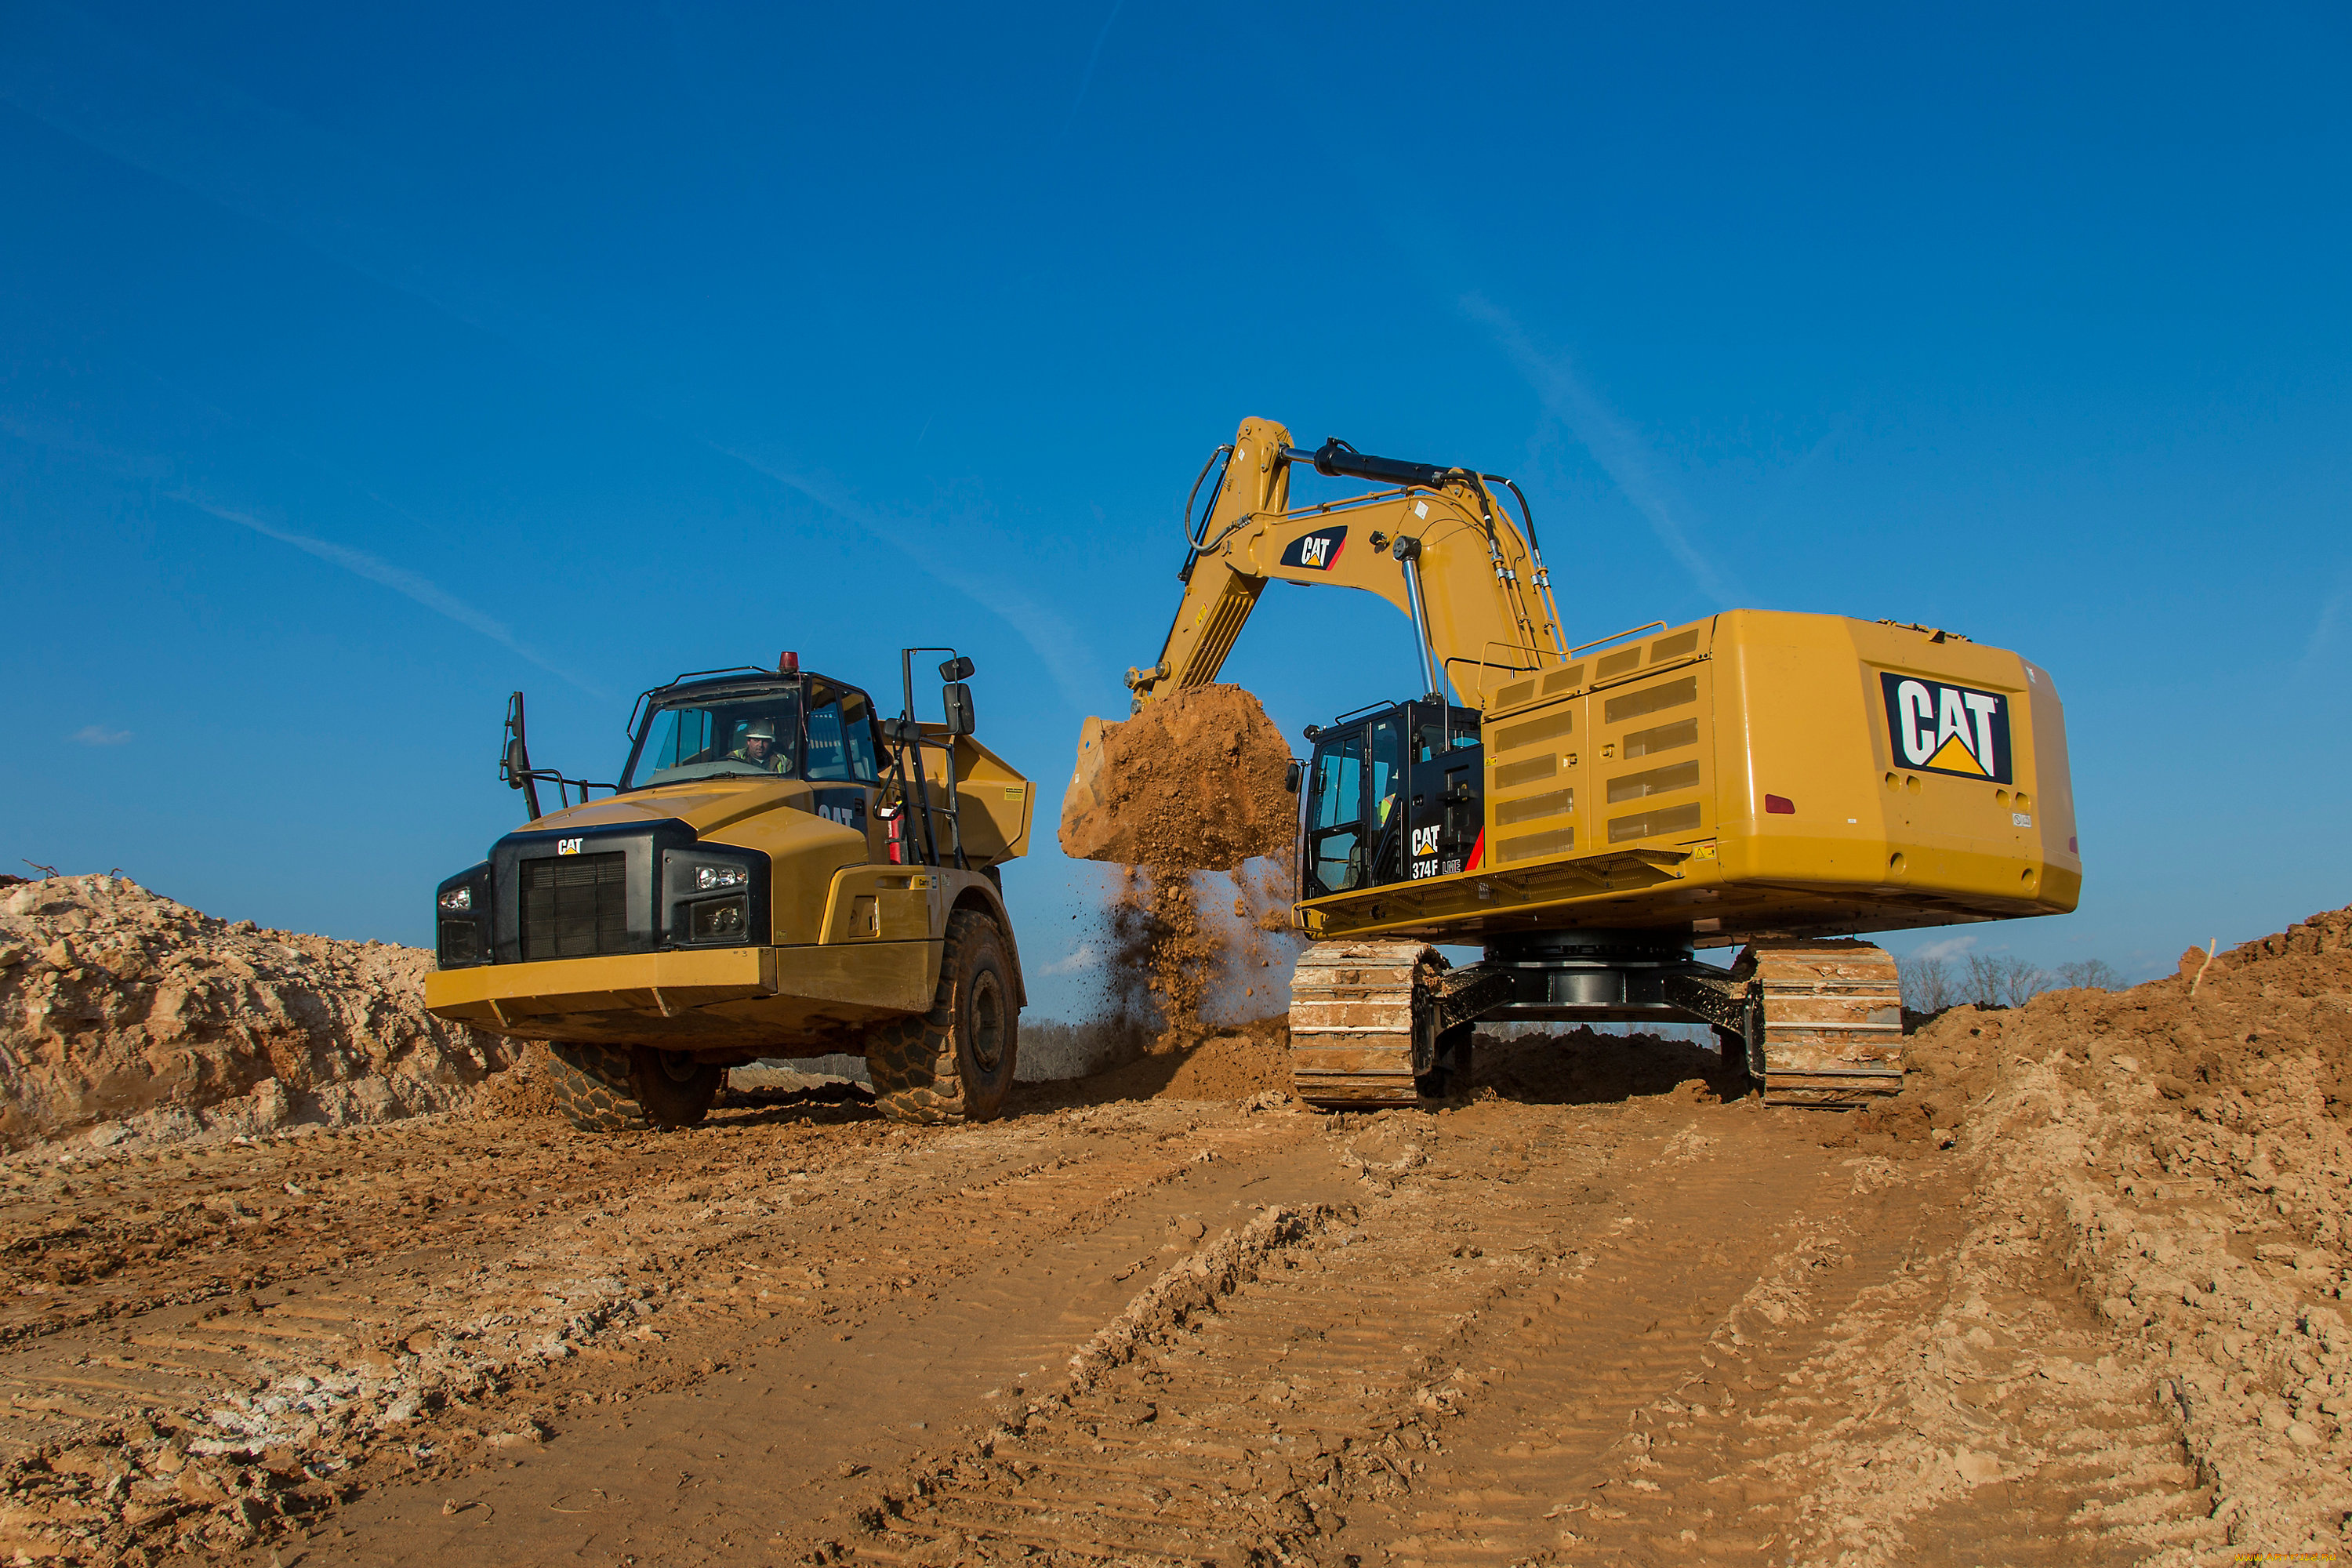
{"points": [[1926, 984], [1998, 980], [1995, 980], [2089, 975], [2021, 981]]}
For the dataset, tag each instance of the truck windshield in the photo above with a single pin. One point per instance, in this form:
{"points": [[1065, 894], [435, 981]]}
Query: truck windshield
{"points": [[733, 735]]}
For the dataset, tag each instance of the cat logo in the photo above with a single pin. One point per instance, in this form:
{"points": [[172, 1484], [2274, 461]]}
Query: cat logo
{"points": [[567, 847], [1316, 551], [840, 814], [1424, 841], [1943, 729]]}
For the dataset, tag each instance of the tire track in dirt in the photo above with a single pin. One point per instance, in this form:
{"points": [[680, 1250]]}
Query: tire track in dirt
{"points": [[409, 1302], [726, 1431], [1665, 1337]]}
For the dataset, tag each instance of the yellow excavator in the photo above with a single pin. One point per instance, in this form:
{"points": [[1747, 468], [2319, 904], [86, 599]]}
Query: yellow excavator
{"points": [[1592, 813]]}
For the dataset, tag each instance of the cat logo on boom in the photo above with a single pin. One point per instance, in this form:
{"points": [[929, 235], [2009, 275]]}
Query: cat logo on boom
{"points": [[1316, 551], [1943, 729]]}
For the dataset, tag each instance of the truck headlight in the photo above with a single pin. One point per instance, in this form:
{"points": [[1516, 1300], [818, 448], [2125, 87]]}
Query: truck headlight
{"points": [[458, 899], [719, 920], [709, 878]]}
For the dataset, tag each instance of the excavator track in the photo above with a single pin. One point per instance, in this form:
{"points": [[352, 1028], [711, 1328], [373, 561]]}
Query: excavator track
{"points": [[1354, 1006], [1832, 1021]]}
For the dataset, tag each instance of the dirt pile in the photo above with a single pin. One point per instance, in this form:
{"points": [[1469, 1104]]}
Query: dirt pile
{"points": [[2179, 1154], [1234, 1064], [123, 1011], [1192, 783]]}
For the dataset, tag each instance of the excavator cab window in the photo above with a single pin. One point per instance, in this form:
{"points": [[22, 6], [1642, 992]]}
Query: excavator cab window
{"points": [[1335, 815], [1388, 781]]}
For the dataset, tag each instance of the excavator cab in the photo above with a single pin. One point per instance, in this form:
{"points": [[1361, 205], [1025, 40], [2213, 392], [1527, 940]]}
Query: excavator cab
{"points": [[1394, 794]]}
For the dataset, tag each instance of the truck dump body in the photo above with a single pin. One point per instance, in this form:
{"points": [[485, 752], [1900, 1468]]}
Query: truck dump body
{"points": [[1758, 774]]}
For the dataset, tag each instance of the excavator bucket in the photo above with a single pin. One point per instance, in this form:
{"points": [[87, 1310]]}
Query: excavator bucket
{"points": [[1196, 781]]}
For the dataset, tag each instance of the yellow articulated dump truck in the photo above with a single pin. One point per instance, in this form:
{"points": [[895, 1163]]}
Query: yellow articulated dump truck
{"points": [[1591, 815], [780, 871]]}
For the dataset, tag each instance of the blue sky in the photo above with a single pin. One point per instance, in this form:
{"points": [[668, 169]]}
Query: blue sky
{"points": [[356, 369]]}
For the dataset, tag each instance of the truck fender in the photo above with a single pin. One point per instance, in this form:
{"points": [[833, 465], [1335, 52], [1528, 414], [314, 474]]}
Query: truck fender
{"points": [[980, 895]]}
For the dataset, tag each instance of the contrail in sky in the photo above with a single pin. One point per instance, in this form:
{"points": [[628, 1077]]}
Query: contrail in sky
{"points": [[399, 579], [1086, 77], [50, 76], [1063, 654], [1617, 448]]}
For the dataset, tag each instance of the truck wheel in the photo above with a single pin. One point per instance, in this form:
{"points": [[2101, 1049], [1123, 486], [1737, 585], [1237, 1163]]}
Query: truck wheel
{"points": [[955, 1062], [608, 1088]]}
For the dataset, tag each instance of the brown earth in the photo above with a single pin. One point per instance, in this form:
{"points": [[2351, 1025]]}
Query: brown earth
{"points": [[1190, 786], [2072, 1298], [124, 1012], [1194, 782]]}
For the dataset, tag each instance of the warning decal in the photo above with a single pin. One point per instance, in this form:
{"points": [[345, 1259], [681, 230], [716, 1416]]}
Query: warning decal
{"points": [[1948, 729]]}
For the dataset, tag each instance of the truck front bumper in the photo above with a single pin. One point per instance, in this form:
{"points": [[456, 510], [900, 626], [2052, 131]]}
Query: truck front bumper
{"points": [[719, 1001]]}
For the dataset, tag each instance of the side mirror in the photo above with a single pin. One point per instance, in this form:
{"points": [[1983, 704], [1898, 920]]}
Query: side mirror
{"points": [[1291, 775], [902, 731], [517, 764], [957, 668], [958, 697]]}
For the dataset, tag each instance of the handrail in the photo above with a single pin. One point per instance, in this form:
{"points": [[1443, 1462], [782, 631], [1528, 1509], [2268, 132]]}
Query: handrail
{"points": [[1617, 637]]}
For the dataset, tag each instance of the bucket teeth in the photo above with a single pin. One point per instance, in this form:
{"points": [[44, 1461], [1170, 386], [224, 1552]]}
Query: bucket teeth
{"points": [[1832, 1021], [1353, 1008]]}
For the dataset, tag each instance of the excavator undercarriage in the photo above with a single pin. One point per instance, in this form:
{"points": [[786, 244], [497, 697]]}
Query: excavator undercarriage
{"points": [[1378, 1023]]}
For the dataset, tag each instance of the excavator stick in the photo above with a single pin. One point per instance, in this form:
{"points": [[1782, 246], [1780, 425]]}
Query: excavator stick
{"points": [[1831, 1024]]}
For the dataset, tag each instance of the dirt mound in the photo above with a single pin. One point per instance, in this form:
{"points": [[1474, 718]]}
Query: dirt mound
{"points": [[123, 1011], [1235, 1063], [1193, 783], [2180, 1151]]}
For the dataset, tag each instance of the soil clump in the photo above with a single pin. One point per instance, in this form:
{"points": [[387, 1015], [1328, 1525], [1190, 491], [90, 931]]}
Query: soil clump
{"points": [[1190, 787], [126, 1013], [1194, 782]]}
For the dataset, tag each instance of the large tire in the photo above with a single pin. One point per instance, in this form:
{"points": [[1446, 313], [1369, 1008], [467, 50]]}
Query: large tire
{"points": [[955, 1062], [611, 1088]]}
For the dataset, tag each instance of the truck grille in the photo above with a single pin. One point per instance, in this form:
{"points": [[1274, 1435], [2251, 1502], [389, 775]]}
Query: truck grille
{"points": [[575, 907]]}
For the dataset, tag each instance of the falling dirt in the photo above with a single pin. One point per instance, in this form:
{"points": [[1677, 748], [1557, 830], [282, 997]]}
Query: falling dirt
{"points": [[1191, 785], [2074, 1298], [1194, 782]]}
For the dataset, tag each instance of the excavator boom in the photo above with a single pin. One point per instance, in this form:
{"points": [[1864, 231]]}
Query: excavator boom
{"points": [[1435, 544]]}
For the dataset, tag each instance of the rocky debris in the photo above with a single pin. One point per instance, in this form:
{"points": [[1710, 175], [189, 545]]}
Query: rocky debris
{"points": [[1193, 783], [138, 1019], [2181, 1151]]}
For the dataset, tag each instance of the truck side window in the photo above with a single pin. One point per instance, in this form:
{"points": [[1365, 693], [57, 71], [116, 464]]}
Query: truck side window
{"points": [[857, 734], [828, 749], [840, 738]]}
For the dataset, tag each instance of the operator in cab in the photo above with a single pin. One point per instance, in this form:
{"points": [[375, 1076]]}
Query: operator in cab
{"points": [[759, 747]]}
